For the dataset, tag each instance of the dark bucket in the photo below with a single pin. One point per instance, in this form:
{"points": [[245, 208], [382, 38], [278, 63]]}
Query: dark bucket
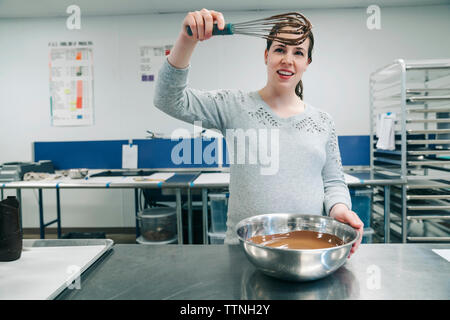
{"points": [[10, 233]]}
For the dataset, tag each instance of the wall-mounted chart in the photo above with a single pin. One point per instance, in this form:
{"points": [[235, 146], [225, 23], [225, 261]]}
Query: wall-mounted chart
{"points": [[71, 67], [151, 59]]}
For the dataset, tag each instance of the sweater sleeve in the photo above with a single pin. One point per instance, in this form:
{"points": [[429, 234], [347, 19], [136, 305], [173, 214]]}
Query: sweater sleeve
{"points": [[336, 190], [175, 98]]}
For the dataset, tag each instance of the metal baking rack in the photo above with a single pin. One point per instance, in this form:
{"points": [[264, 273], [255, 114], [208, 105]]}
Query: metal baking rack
{"points": [[418, 92]]}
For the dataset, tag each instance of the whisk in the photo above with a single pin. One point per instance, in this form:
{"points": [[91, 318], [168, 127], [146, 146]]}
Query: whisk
{"points": [[272, 28]]}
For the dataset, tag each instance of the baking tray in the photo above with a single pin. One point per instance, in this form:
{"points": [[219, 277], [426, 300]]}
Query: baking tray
{"points": [[48, 266]]}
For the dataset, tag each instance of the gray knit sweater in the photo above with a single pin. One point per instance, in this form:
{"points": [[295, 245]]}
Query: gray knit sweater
{"points": [[288, 165]]}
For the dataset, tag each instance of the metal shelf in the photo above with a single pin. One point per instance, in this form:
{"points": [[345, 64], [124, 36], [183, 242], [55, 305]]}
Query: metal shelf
{"points": [[411, 100], [433, 229], [426, 184], [390, 161], [428, 65], [428, 197], [391, 73], [443, 168], [441, 163], [427, 98], [418, 92], [429, 152], [428, 141], [426, 91], [427, 131], [423, 208], [379, 169], [424, 239], [417, 110], [444, 120]]}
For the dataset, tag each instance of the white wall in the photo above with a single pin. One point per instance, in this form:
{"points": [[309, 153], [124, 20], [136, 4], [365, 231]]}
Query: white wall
{"points": [[345, 54]]}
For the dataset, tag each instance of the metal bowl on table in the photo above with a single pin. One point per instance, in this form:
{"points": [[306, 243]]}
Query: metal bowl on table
{"points": [[295, 264]]}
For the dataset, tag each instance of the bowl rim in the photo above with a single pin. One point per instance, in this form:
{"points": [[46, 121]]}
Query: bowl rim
{"points": [[243, 221]]}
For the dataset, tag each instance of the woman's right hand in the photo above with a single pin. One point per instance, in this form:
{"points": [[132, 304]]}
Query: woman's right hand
{"points": [[201, 23]]}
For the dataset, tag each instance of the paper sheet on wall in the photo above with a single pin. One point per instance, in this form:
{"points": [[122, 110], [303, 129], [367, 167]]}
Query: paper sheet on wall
{"points": [[71, 83], [129, 156], [151, 59]]}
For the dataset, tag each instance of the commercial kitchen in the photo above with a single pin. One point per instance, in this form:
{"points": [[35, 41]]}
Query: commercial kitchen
{"points": [[105, 196]]}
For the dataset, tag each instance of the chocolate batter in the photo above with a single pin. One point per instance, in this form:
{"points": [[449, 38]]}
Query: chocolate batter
{"points": [[298, 239]]}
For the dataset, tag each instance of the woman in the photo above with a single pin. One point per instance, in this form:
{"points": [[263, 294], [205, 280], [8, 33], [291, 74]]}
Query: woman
{"points": [[309, 177]]}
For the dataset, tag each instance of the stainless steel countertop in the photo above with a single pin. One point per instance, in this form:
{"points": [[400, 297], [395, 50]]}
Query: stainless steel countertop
{"points": [[210, 272]]}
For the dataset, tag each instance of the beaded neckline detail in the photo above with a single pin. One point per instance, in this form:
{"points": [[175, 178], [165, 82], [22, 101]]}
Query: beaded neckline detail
{"points": [[304, 121]]}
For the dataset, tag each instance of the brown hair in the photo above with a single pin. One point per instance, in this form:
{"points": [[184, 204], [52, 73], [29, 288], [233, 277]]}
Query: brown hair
{"points": [[299, 86]]}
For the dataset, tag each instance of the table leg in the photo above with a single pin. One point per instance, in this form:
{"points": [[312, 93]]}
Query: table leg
{"points": [[41, 215], [58, 213], [189, 199], [205, 214], [387, 214], [136, 211], [19, 198], [179, 217], [404, 212]]}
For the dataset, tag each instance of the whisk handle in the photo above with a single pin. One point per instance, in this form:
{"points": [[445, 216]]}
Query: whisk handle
{"points": [[228, 30]]}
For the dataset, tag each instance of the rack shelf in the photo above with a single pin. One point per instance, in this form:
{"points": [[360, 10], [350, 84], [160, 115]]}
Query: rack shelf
{"points": [[418, 92]]}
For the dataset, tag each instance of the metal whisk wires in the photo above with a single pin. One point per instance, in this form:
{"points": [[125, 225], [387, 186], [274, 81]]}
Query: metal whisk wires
{"points": [[277, 27]]}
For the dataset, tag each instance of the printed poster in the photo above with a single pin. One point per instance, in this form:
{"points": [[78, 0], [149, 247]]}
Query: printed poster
{"points": [[151, 58], [71, 67]]}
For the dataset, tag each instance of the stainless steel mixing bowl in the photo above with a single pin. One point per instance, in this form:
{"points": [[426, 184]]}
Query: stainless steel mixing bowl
{"points": [[295, 264]]}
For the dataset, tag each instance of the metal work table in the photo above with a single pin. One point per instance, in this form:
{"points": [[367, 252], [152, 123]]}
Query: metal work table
{"points": [[186, 179], [200, 272], [358, 178], [180, 180]]}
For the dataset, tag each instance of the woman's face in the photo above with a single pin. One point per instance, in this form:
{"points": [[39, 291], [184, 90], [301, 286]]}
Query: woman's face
{"points": [[286, 64]]}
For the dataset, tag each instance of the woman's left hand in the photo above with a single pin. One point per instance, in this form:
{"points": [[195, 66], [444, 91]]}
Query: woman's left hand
{"points": [[341, 213]]}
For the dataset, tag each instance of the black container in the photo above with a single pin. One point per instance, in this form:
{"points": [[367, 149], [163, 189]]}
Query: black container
{"points": [[10, 233]]}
